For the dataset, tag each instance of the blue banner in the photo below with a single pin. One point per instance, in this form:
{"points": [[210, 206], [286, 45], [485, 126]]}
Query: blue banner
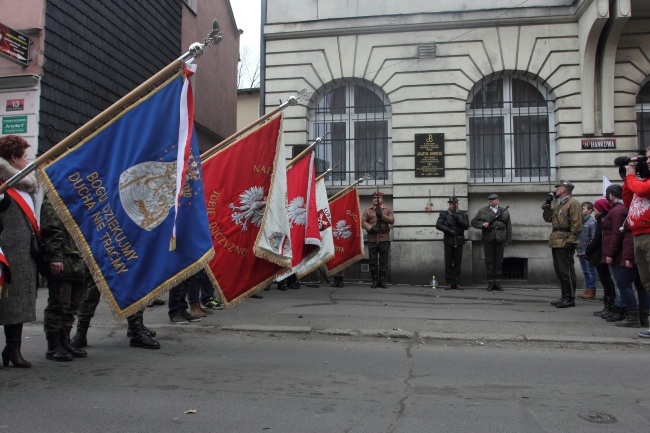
{"points": [[116, 193]]}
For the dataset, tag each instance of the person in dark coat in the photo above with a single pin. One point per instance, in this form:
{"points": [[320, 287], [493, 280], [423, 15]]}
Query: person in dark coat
{"points": [[18, 303], [453, 223], [612, 245], [593, 253], [496, 231]]}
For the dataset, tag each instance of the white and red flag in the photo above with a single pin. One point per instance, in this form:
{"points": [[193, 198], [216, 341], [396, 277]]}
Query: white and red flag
{"points": [[5, 274], [245, 193], [326, 251], [346, 231], [302, 213]]}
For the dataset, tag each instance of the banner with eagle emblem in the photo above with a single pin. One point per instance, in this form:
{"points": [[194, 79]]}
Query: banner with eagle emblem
{"points": [[346, 231], [326, 251], [118, 194], [302, 213], [245, 194]]}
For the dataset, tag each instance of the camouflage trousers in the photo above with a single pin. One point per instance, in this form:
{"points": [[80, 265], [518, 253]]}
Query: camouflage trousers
{"points": [[64, 297], [89, 304]]}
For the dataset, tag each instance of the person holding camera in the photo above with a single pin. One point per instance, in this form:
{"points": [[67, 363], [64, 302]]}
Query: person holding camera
{"points": [[453, 224], [496, 232], [636, 196], [375, 221], [566, 218]]}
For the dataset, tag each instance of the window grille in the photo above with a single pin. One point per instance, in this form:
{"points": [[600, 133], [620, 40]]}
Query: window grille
{"points": [[357, 116], [510, 131], [643, 116], [514, 268]]}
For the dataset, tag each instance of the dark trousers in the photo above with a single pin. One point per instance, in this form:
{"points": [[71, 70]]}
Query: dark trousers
{"points": [[453, 260], [565, 271], [493, 259], [605, 278], [378, 253], [64, 298], [177, 303]]}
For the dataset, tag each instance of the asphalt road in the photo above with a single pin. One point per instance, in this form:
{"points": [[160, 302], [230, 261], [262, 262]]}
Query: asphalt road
{"points": [[286, 382]]}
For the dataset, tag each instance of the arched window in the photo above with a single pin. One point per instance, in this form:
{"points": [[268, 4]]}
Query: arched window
{"points": [[643, 116], [356, 117], [510, 131]]}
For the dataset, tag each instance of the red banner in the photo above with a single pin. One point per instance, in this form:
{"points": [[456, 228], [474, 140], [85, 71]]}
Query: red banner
{"points": [[245, 187], [346, 230]]}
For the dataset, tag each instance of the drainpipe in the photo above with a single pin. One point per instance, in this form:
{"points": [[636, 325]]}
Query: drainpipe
{"points": [[262, 60]]}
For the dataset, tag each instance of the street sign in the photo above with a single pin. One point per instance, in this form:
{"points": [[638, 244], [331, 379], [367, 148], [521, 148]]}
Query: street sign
{"points": [[14, 45], [14, 124]]}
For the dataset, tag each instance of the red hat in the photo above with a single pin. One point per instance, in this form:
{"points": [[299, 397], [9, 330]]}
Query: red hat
{"points": [[377, 194], [602, 205]]}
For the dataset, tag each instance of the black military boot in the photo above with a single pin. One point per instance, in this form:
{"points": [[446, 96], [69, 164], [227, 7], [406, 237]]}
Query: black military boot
{"points": [[55, 351], [65, 343], [643, 318], [374, 281], [139, 337], [340, 281], [79, 339], [150, 332], [631, 320]]}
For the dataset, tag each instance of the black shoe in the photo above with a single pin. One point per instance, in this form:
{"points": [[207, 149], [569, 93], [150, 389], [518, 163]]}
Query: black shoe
{"points": [[374, 284], [257, 296], [449, 287], [294, 285], [150, 332], [282, 286], [144, 341], [554, 303], [267, 288], [497, 286], [490, 286], [566, 303]]}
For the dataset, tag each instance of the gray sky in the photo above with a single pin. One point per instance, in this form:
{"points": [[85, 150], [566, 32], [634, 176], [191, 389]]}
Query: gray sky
{"points": [[247, 15]]}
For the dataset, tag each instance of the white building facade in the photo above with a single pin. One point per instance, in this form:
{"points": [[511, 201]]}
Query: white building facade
{"points": [[463, 97]]}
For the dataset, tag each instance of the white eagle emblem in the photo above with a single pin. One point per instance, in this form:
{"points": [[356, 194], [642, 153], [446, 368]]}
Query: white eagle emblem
{"points": [[342, 230], [638, 208], [297, 212], [252, 203]]}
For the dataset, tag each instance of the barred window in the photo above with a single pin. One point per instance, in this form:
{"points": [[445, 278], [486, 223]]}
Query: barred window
{"points": [[643, 116], [356, 116], [510, 131]]}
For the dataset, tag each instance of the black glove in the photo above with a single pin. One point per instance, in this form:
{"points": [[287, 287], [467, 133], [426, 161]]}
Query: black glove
{"points": [[452, 233], [374, 230], [454, 216], [549, 198], [379, 214]]}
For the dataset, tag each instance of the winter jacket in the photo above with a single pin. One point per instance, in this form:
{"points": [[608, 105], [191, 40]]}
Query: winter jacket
{"points": [[593, 252], [586, 235], [59, 246], [369, 220], [453, 225], [566, 218], [636, 196], [612, 236], [499, 231]]}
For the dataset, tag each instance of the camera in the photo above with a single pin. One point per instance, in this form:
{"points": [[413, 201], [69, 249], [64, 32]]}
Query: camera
{"points": [[639, 162]]}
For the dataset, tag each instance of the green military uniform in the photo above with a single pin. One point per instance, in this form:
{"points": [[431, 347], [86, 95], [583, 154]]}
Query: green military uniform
{"points": [[566, 218], [66, 289]]}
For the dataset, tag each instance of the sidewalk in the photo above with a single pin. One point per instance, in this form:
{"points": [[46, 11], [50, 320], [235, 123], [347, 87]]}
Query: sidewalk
{"points": [[400, 311]]}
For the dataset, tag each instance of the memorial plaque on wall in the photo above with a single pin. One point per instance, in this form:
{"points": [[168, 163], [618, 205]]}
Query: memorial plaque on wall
{"points": [[429, 155]]}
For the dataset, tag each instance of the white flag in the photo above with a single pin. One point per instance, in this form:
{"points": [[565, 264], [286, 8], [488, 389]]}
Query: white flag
{"points": [[326, 251]]}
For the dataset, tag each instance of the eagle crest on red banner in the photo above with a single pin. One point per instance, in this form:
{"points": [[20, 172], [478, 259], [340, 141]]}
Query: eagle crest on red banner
{"points": [[346, 231], [245, 194]]}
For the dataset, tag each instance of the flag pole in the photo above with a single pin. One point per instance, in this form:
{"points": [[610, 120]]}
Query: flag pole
{"points": [[72, 140], [291, 100], [328, 171], [340, 193], [306, 151]]}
